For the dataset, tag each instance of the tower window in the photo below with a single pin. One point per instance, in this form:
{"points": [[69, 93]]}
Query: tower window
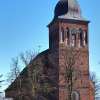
{"points": [[73, 41], [67, 36], [84, 35], [62, 35], [81, 37], [86, 38]]}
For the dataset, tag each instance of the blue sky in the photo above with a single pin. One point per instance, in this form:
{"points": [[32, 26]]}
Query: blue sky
{"points": [[23, 26]]}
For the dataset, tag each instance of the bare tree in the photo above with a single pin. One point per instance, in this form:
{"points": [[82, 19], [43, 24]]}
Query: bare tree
{"points": [[0, 82], [36, 76], [34, 72], [13, 75], [14, 70], [70, 57], [27, 56], [96, 83], [18, 63]]}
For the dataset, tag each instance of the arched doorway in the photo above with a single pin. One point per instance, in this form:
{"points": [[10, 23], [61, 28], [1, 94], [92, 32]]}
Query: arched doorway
{"points": [[75, 95]]}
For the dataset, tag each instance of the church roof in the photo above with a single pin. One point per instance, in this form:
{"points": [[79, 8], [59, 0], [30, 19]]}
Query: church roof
{"points": [[68, 9]]}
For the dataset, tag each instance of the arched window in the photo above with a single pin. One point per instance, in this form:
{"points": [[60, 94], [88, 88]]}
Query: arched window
{"points": [[75, 95], [73, 43], [81, 36], [63, 38], [86, 38], [62, 35], [84, 35], [67, 36], [73, 37]]}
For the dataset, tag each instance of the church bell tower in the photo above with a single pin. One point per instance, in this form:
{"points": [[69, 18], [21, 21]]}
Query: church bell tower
{"points": [[69, 30]]}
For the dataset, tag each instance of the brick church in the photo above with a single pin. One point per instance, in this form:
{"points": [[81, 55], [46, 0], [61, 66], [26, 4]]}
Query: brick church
{"points": [[64, 67]]}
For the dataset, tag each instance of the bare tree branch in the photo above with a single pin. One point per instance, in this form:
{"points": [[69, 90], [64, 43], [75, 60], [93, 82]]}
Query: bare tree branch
{"points": [[70, 57], [27, 57], [1, 81], [96, 83], [14, 70]]}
